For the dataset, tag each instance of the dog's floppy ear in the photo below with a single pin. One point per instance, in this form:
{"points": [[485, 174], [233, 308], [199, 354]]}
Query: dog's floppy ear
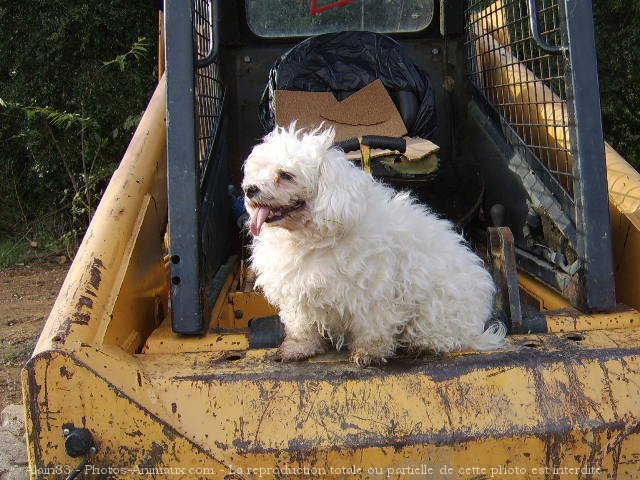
{"points": [[342, 192]]}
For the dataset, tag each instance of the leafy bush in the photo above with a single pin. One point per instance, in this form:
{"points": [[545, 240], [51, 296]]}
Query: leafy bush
{"points": [[76, 75], [74, 78], [618, 38]]}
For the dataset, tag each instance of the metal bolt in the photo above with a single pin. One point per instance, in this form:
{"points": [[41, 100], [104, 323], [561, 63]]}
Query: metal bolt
{"points": [[435, 50], [238, 314], [66, 432], [93, 450], [247, 59], [448, 83]]}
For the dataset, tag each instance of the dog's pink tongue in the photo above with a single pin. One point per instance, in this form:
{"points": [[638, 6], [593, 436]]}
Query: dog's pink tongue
{"points": [[258, 219]]}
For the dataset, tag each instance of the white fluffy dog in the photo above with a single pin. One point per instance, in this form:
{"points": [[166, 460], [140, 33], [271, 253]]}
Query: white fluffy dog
{"points": [[350, 261]]}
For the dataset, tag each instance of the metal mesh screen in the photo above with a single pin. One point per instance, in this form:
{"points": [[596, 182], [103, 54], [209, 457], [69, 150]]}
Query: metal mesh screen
{"points": [[524, 83], [209, 91]]}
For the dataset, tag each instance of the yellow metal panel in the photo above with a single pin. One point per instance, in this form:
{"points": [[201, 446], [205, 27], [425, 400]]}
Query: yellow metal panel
{"points": [[161, 44], [84, 307], [517, 86], [249, 305], [434, 409], [493, 20], [132, 442], [559, 402], [624, 197], [626, 248], [164, 340], [548, 299], [624, 185], [235, 307], [242, 307], [142, 298], [222, 315], [569, 320]]}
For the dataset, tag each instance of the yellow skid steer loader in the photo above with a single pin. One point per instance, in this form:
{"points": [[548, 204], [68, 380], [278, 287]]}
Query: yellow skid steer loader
{"points": [[158, 358]]}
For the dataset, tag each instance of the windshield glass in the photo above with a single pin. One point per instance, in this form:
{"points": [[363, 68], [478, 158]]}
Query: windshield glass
{"points": [[288, 18]]}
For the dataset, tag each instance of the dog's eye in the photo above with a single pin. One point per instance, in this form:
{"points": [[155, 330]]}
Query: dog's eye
{"points": [[282, 175]]}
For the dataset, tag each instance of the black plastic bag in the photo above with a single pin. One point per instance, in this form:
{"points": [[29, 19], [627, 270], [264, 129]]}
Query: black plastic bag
{"points": [[345, 62]]}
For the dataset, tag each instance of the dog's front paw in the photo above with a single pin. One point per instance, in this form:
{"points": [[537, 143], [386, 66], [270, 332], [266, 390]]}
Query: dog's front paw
{"points": [[362, 358], [295, 350]]}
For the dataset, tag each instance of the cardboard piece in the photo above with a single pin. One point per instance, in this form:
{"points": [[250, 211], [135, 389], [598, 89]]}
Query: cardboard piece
{"points": [[369, 111]]}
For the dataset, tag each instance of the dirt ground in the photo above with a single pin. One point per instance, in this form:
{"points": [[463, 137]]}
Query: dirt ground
{"points": [[27, 294]]}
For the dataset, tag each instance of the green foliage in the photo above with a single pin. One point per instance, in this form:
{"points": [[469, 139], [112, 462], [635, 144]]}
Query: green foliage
{"points": [[13, 251], [56, 118], [137, 51], [75, 77], [618, 38]]}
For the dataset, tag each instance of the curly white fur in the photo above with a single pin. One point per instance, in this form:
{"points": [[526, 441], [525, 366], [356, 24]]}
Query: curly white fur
{"points": [[350, 260]]}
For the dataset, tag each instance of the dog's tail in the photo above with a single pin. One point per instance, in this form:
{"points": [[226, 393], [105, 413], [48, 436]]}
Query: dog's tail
{"points": [[492, 338]]}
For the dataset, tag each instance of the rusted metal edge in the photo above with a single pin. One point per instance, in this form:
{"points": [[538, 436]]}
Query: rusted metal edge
{"points": [[34, 427]]}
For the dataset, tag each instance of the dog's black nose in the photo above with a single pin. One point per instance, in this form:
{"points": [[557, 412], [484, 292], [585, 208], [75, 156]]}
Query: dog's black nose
{"points": [[251, 191]]}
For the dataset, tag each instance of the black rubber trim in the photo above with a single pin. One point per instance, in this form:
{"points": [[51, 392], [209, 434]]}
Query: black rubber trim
{"points": [[373, 141]]}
